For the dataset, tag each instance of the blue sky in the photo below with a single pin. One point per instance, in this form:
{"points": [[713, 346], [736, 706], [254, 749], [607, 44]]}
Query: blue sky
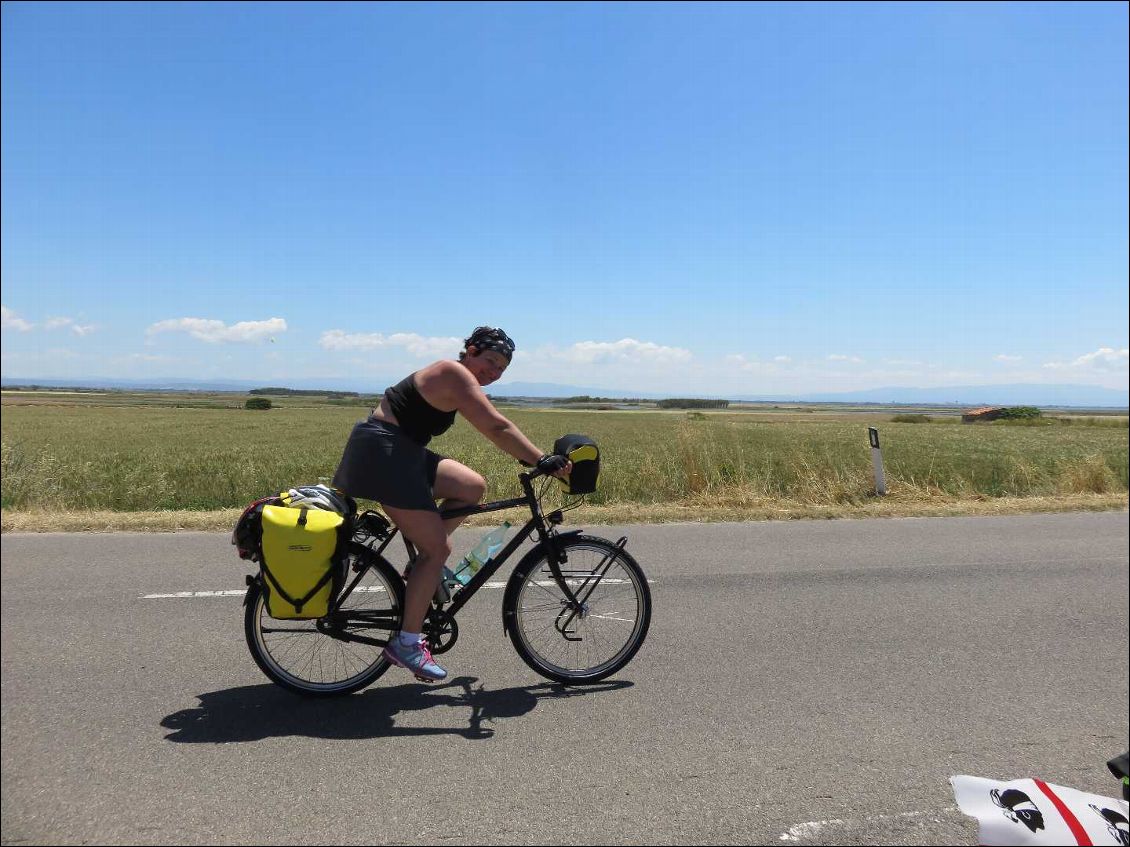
{"points": [[699, 198]]}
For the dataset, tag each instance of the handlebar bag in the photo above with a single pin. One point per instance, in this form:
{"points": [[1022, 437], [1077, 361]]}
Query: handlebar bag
{"points": [[299, 560], [585, 456]]}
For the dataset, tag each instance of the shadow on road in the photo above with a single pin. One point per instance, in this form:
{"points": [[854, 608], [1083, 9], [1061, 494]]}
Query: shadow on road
{"points": [[256, 712]]}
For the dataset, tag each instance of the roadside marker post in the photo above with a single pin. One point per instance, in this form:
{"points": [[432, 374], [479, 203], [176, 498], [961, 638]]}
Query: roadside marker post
{"points": [[877, 460]]}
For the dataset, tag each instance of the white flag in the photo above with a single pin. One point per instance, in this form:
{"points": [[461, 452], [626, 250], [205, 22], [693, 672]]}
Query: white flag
{"points": [[1030, 811]]}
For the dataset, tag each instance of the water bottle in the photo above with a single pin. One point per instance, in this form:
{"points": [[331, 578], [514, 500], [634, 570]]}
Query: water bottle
{"points": [[490, 544]]}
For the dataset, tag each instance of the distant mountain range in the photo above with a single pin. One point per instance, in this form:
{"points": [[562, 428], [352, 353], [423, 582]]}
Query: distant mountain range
{"points": [[1082, 396], [1079, 396], [1086, 396], [179, 384]]}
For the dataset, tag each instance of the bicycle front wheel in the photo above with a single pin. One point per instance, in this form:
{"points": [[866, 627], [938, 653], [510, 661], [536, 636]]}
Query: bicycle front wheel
{"points": [[587, 644], [340, 653]]}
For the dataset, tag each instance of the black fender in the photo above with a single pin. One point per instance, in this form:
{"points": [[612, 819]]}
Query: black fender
{"points": [[518, 574], [252, 581]]}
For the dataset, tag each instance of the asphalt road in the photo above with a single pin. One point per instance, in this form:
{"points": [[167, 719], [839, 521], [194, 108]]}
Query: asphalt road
{"points": [[803, 682]]}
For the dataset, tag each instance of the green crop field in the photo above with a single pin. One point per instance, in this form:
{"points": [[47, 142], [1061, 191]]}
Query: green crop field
{"points": [[126, 453]]}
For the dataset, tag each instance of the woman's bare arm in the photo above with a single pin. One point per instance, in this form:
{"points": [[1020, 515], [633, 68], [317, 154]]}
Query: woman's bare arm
{"points": [[454, 387]]}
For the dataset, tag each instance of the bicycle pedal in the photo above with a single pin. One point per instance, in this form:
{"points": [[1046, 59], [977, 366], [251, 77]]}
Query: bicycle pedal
{"points": [[425, 679]]}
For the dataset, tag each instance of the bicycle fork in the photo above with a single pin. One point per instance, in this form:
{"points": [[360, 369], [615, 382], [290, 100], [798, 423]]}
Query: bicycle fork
{"points": [[576, 602]]}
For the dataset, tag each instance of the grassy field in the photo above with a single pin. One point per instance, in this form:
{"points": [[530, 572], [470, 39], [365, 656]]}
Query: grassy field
{"points": [[152, 454]]}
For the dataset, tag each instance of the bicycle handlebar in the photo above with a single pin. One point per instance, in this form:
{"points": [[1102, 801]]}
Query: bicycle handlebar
{"points": [[531, 474], [535, 472]]}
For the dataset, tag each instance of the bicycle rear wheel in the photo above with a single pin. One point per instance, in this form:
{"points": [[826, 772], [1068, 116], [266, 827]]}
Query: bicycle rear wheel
{"points": [[340, 653], [591, 643]]}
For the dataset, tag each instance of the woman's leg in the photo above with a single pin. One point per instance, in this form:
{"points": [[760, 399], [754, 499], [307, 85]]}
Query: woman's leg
{"points": [[458, 486], [429, 536]]}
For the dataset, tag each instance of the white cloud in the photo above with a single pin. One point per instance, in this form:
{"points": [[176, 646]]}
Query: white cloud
{"points": [[627, 364], [217, 332], [839, 357], [78, 329], [624, 351], [1103, 359], [417, 345], [755, 366], [622, 361], [782, 359], [10, 320], [145, 357], [1004, 357]]}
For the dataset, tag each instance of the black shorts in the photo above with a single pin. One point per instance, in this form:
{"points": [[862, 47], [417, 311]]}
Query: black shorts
{"points": [[381, 463]]}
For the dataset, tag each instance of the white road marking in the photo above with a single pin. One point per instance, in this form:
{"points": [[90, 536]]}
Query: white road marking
{"points": [[239, 592], [812, 828], [181, 595]]}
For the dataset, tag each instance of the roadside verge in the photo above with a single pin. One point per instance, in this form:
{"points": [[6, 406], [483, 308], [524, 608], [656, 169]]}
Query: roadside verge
{"points": [[626, 513]]}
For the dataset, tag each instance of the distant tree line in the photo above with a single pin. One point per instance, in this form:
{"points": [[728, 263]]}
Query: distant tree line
{"points": [[584, 398], [304, 392], [679, 403], [1008, 414], [1020, 412], [72, 388]]}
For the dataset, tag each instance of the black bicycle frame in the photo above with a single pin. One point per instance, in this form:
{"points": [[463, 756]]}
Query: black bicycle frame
{"points": [[536, 523]]}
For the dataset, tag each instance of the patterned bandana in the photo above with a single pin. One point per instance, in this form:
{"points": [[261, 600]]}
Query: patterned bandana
{"points": [[490, 338]]}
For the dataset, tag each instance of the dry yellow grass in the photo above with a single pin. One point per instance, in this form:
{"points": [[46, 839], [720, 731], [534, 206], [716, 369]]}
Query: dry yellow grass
{"points": [[159, 468], [893, 506]]}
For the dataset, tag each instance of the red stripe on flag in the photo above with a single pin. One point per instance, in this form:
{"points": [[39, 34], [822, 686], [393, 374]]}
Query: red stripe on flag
{"points": [[1072, 822]]}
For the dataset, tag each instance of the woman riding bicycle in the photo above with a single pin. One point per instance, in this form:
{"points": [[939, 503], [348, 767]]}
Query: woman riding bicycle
{"points": [[386, 460]]}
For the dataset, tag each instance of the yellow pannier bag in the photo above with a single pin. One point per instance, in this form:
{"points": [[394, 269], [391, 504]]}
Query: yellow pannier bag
{"points": [[298, 560]]}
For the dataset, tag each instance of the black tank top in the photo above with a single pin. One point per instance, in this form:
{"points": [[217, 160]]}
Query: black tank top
{"points": [[419, 419]]}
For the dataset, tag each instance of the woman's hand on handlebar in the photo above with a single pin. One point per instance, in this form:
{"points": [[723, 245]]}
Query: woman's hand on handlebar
{"points": [[552, 464], [558, 466]]}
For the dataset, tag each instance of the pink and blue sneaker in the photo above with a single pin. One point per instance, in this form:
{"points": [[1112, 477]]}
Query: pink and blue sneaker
{"points": [[414, 657]]}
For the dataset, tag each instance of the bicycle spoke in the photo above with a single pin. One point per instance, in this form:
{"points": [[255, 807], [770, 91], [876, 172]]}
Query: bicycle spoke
{"points": [[337, 654], [571, 642]]}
